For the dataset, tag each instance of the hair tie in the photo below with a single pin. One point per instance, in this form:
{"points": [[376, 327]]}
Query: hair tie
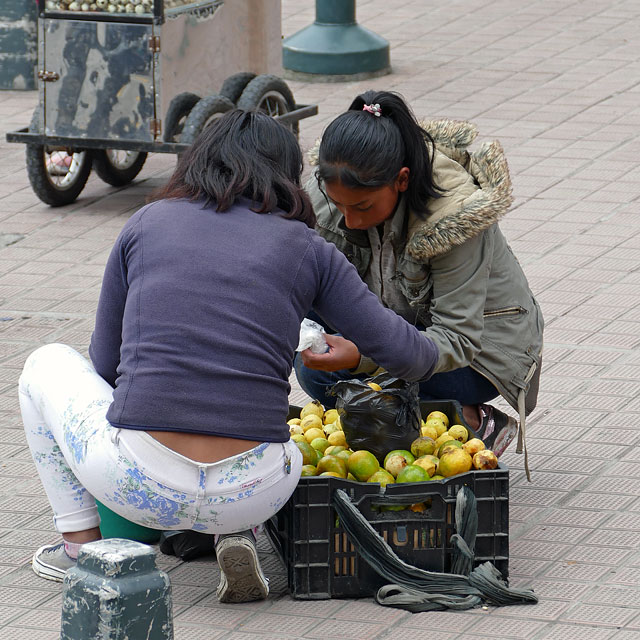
{"points": [[373, 108]]}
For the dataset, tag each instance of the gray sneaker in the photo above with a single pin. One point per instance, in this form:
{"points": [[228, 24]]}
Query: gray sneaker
{"points": [[241, 578], [51, 562]]}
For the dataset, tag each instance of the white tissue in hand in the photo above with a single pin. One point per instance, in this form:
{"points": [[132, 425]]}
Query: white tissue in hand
{"points": [[312, 337]]}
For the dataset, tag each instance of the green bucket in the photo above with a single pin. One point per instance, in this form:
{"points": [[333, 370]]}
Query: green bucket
{"points": [[114, 526]]}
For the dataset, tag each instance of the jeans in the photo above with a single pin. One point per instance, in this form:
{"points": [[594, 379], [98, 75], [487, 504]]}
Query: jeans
{"points": [[465, 385], [79, 456]]}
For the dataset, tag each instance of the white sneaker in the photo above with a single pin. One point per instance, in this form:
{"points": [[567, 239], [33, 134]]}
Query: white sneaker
{"points": [[51, 562], [241, 578]]}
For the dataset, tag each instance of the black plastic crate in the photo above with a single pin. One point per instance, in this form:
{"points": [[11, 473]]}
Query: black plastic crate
{"points": [[321, 561]]}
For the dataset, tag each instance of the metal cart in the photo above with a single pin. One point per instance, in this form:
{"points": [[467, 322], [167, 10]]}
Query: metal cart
{"points": [[122, 78]]}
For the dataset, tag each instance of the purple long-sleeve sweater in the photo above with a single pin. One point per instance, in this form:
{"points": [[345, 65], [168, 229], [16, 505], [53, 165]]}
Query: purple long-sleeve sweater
{"points": [[199, 318]]}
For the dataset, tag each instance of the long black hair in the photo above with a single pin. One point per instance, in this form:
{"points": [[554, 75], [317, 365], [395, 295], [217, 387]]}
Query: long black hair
{"points": [[363, 150], [243, 153]]}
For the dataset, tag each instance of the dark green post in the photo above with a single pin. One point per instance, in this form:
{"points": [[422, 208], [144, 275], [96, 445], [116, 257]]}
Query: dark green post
{"points": [[116, 592], [335, 47], [18, 44]]}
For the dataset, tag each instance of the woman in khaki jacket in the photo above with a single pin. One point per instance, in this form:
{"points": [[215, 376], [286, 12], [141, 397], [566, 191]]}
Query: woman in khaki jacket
{"points": [[417, 215]]}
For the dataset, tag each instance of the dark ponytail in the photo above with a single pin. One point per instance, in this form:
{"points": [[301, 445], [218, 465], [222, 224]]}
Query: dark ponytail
{"points": [[363, 150]]}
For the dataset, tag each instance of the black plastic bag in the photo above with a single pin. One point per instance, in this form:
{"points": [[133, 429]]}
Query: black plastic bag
{"points": [[378, 421], [187, 545]]}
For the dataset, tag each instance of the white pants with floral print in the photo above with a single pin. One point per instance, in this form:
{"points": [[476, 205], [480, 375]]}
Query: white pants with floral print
{"points": [[80, 456]]}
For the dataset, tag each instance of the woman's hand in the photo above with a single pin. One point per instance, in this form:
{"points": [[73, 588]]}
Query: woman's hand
{"points": [[342, 354]]}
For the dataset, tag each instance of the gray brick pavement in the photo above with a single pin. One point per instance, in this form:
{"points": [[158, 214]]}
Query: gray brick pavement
{"points": [[559, 84]]}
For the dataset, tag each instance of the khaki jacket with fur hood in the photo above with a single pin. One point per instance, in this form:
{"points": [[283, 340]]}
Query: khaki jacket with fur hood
{"points": [[456, 270]]}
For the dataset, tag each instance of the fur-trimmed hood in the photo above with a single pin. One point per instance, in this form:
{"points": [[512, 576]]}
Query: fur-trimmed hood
{"points": [[477, 184]]}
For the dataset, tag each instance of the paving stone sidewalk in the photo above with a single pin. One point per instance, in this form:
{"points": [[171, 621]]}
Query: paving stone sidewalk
{"points": [[558, 83]]}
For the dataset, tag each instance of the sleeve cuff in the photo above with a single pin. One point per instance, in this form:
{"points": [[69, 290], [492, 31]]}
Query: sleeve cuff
{"points": [[366, 366]]}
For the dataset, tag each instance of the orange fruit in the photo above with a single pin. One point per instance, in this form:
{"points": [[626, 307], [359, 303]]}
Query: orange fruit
{"points": [[382, 477], [309, 455], [362, 464], [412, 473], [332, 450], [320, 444], [308, 470], [333, 464]]}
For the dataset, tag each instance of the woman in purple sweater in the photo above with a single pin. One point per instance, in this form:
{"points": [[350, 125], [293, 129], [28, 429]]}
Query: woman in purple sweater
{"points": [[179, 421]]}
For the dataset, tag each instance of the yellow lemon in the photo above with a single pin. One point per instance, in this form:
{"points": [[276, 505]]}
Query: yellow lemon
{"points": [[314, 407], [428, 431], [311, 421], [312, 434], [438, 415], [337, 438], [458, 432], [437, 424], [330, 415]]}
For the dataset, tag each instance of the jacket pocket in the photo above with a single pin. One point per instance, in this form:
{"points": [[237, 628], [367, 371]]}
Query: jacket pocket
{"points": [[505, 312]]}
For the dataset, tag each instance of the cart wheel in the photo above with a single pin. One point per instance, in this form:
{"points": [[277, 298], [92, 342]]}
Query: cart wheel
{"points": [[57, 176], [234, 85], [117, 167], [203, 114], [270, 94], [179, 108]]}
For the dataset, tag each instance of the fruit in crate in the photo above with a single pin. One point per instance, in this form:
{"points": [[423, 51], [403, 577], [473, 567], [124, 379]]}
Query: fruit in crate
{"points": [[438, 415], [362, 464], [458, 432], [382, 477], [428, 463], [485, 459], [454, 462], [473, 446], [436, 424], [330, 416], [412, 473], [312, 408], [448, 450], [397, 460], [332, 464], [311, 422], [423, 446]]}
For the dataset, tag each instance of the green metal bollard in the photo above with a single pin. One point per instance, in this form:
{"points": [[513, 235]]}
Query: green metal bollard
{"points": [[116, 592], [18, 44], [335, 48]]}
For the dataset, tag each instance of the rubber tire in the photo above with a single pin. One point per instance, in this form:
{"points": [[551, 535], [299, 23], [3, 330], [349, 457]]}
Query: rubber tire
{"points": [[39, 176], [111, 174], [256, 89], [180, 107], [235, 84], [196, 120]]}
